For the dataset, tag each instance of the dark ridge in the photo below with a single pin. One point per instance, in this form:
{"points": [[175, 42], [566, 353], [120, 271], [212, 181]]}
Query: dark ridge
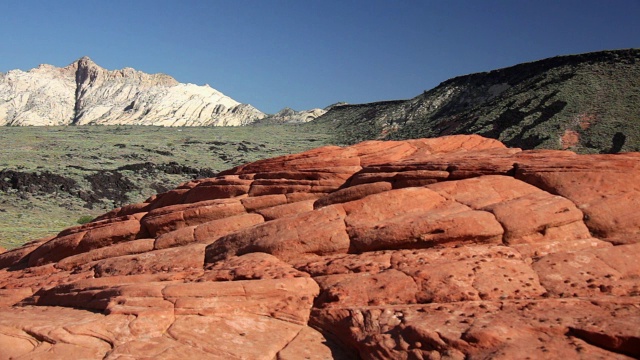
{"points": [[377, 103], [515, 74]]}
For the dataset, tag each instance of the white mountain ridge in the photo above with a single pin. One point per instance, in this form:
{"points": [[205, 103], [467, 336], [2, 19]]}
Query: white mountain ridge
{"points": [[84, 93]]}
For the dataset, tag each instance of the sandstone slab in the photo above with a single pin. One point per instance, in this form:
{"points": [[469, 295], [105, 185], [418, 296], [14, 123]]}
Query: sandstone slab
{"points": [[448, 248]]}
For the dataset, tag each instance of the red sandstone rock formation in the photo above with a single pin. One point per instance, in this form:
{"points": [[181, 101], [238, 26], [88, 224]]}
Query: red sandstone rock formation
{"points": [[448, 248]]}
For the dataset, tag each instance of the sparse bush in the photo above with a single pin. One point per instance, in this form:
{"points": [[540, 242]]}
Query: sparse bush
{"points": [[84, 219]]}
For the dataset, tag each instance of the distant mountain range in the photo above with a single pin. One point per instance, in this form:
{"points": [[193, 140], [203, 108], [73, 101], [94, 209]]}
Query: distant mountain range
{"points": [[84, 93], [586, 103]]}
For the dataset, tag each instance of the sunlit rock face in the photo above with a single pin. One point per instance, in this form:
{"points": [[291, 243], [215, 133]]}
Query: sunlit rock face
{"points": [[290, 116], [85, 93], [447, 248]]}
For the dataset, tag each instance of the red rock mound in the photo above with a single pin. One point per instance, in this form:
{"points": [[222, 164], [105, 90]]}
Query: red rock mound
{"points": [[448, 248]]}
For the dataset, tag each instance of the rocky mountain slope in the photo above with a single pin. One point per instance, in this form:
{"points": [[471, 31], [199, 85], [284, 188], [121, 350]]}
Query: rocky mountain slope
{"points": [[290, 116], [447, 248], [587, 103], [84, 93]]}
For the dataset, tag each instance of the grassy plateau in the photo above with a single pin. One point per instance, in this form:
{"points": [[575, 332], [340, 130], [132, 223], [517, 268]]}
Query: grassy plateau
{"points": [[55, 177]]}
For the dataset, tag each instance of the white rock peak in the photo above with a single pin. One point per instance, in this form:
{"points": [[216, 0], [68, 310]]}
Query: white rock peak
{"points": [[84, 93]]}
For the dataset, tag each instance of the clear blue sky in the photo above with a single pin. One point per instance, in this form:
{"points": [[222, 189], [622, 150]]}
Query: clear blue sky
{"points": [[311, 53]]}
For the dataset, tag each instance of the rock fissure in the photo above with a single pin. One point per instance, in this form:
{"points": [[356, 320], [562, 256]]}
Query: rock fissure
{"points": [[288, 343], [621, 345], [504, 230], [39, 337]]}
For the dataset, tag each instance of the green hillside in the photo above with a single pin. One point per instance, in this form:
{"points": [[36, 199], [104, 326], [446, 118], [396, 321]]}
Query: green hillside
{"points": [[586, 103]]}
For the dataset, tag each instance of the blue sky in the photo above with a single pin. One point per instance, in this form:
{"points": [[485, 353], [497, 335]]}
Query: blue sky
{"points": [[305, 53]]}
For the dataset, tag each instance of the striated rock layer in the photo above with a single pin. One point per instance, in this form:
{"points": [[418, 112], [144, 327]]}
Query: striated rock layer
{"points": [[85, 93], [445, 248]]}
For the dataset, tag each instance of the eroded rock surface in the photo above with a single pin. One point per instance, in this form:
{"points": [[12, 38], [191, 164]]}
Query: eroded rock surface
{"points": [[447, 248]]}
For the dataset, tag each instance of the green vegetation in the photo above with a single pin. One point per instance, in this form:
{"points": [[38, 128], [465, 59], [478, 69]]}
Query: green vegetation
{"points": [[85, 219], [55, 177]]}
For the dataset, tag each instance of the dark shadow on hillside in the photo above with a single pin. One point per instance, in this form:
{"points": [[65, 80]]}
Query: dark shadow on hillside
{"points": [[617, 142]]}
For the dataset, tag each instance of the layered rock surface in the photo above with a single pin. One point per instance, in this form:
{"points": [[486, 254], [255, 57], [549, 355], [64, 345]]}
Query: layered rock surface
{"points": [[85, 93], [446, 248]]}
